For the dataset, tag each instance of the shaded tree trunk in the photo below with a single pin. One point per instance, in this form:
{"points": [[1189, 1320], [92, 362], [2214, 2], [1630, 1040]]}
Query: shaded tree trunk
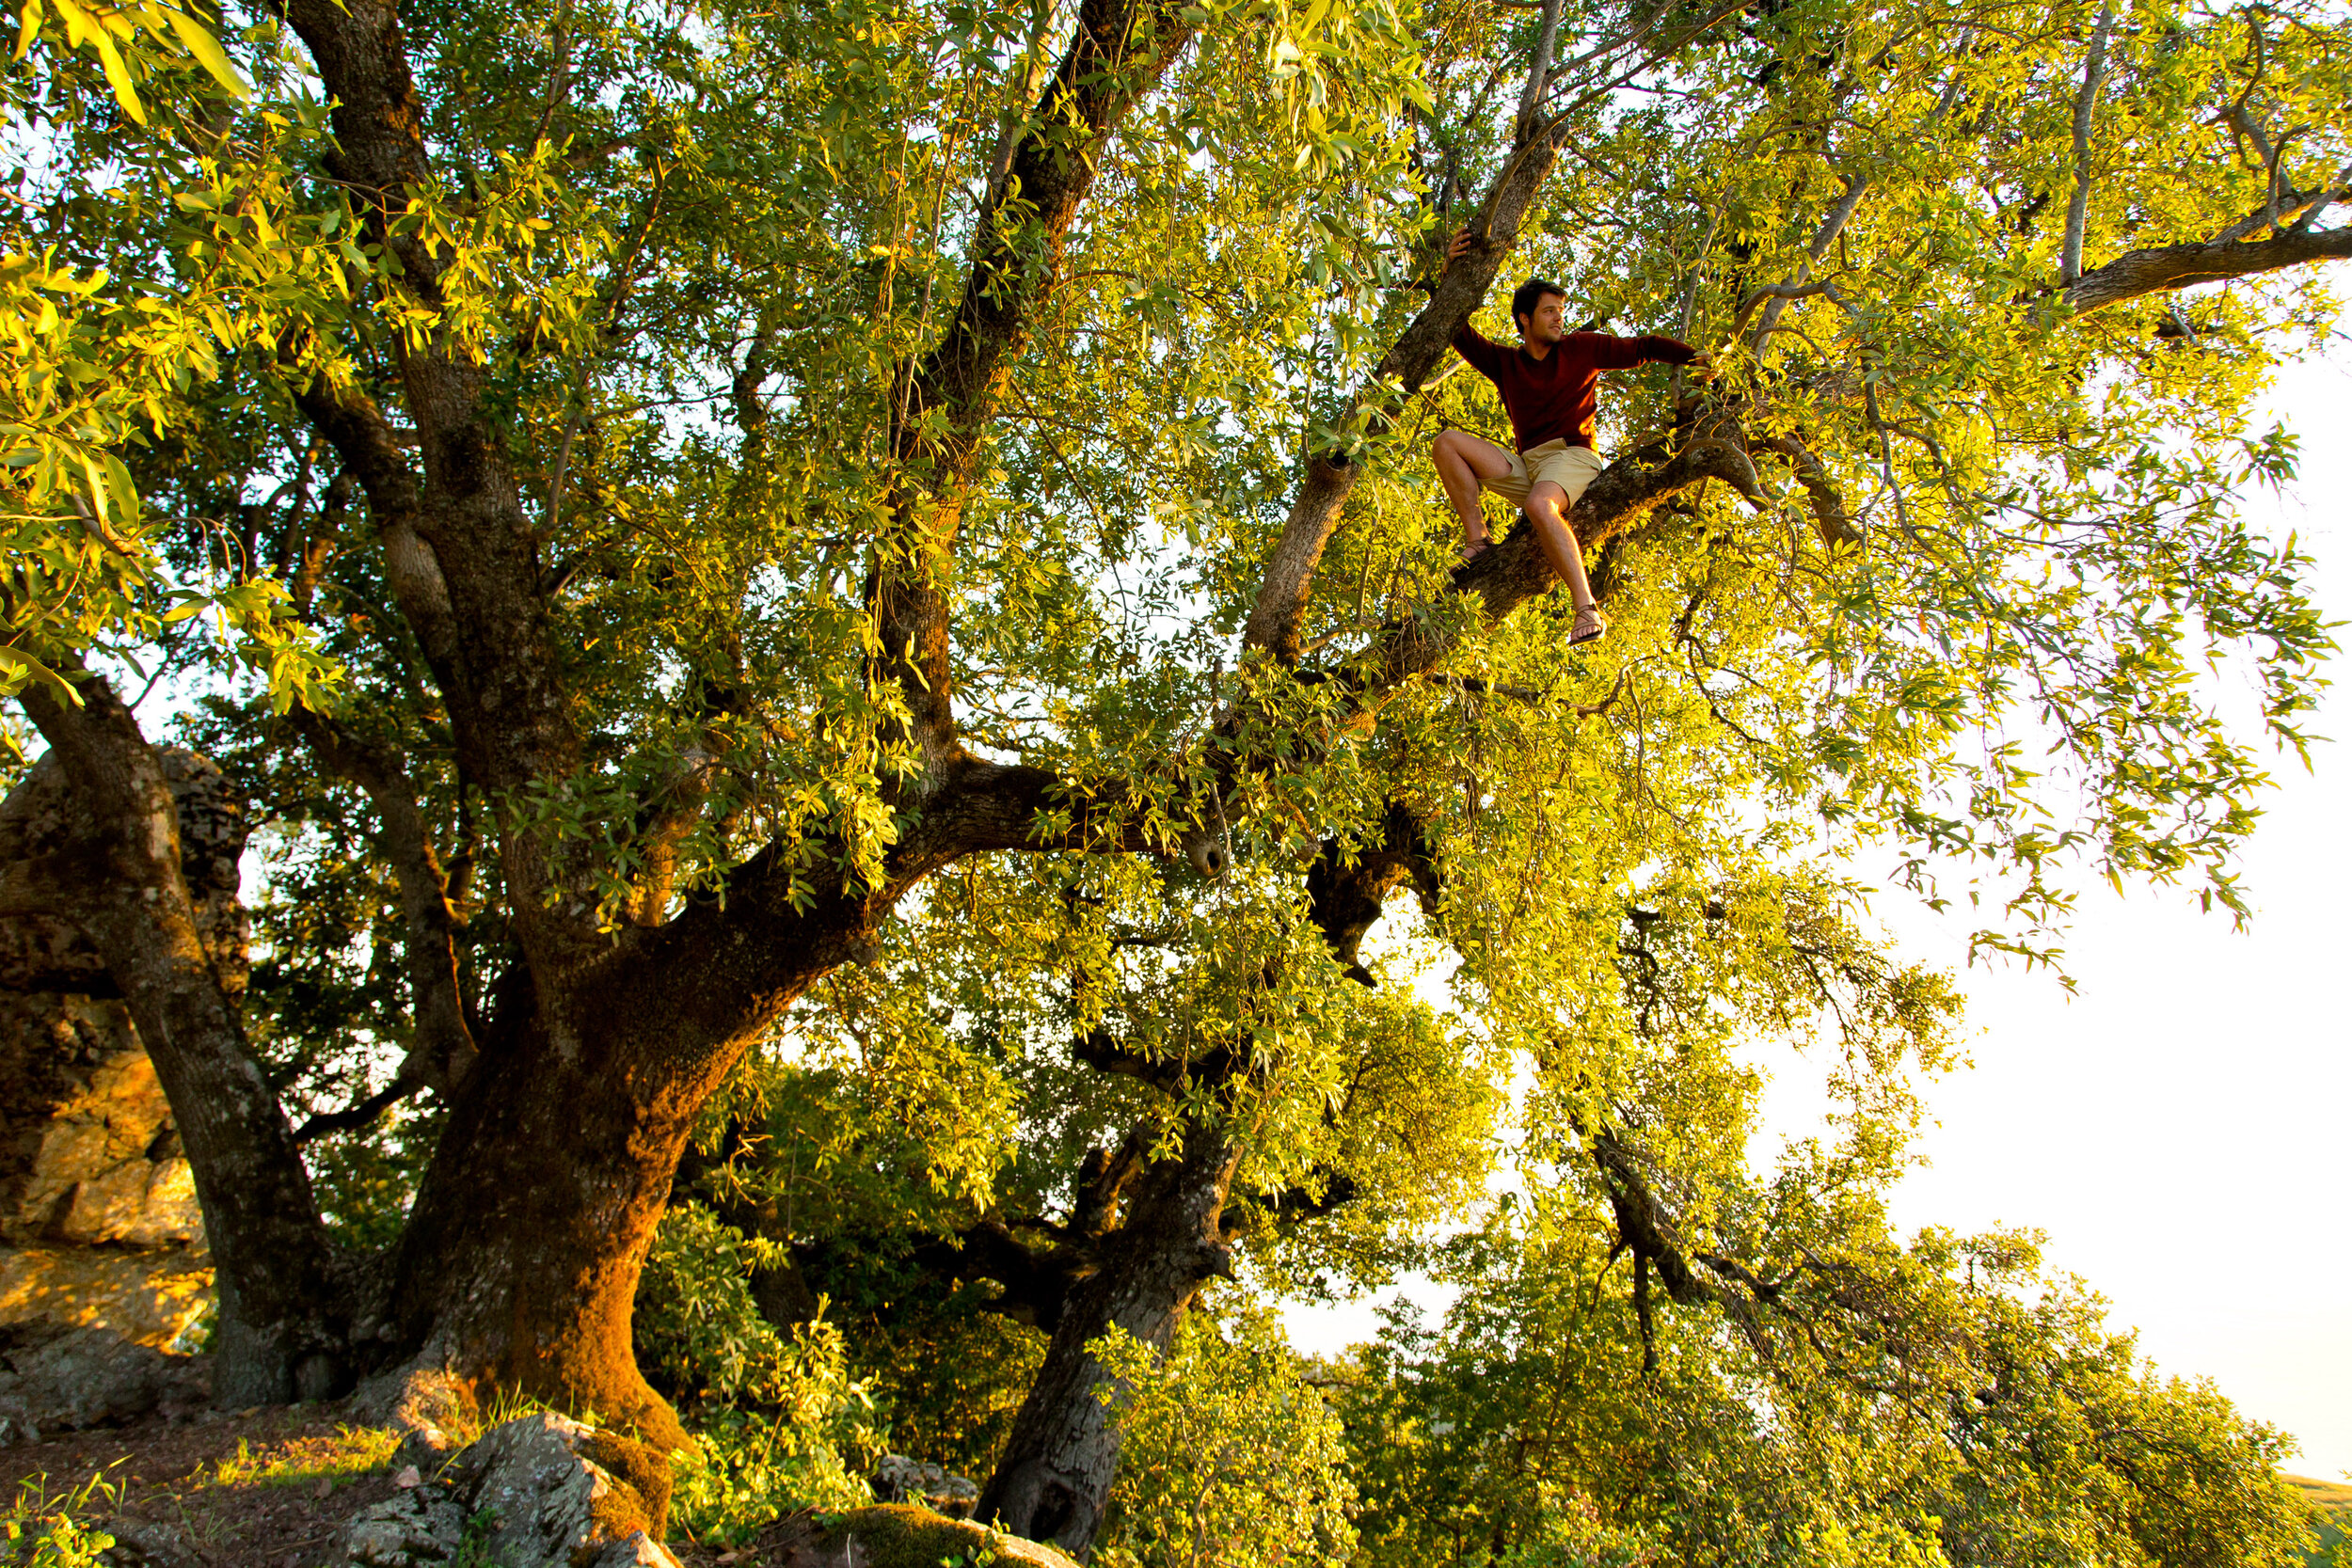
{"points": [[1055, 1477], [1139, 1271], [115, 869]]}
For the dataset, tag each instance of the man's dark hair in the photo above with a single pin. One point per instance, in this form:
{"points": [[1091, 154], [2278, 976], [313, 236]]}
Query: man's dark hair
{"points": [[1530, 295]]}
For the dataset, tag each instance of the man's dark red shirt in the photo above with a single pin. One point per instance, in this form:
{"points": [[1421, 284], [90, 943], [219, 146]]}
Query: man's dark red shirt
{"points": [[1553, 398]]}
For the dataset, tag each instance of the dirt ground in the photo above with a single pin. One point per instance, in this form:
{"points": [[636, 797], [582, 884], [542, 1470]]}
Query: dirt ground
{"points": [[266, 1489]]}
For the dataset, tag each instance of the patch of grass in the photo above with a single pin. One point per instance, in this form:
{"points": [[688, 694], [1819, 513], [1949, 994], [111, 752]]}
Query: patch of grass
{"points": [[350, 1454], [40, 1530]]}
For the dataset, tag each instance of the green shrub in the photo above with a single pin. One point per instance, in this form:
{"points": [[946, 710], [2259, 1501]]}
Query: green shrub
{"points": [[779, 1422], [1230, 1458]]}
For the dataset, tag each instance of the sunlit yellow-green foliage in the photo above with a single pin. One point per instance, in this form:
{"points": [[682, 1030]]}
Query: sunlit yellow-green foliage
{"points": [[1940, 1403], [1232, 1456], [781, 1422], [691, 249]]}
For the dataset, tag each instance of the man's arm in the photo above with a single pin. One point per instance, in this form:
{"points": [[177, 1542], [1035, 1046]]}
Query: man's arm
{"points": [[1622, 354], [1484, 354]]}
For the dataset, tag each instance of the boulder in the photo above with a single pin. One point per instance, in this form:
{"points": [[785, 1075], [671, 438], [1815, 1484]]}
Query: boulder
{"points": [[897, 1479], [538, 1492], [63, 1380], [426, 1405], [141, 1545], [896, 1535]]}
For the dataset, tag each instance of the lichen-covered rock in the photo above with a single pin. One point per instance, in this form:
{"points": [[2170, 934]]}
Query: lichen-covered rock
{"points": [[538, 1492], [425, 1525], [897, 1479], [141, 1545], [898, 1535], [89, 1153], [89, 1377]]}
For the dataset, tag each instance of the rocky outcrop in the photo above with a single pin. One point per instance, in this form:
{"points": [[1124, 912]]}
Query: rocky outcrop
{"points": [[53, 1380], [896, 1535], [154, 1298], [87, 1152], [897, 1479], [539, 1492], [99, 1220]]}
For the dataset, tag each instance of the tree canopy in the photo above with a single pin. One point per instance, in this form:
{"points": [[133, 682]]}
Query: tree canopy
{"points": [[852, 593]]}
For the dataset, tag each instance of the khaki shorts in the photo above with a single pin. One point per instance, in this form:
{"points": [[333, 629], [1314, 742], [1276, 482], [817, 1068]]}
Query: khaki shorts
{"points": [[1572, 469]]}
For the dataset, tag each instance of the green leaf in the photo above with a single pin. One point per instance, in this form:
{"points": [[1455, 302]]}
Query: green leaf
{"points": [[198, 41]]}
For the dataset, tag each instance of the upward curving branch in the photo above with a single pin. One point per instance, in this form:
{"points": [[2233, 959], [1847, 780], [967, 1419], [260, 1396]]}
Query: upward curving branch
{"points": [[2085, 102], [1118, 53], [460, 542], [1288, 579], [441, 1048], [1322, 490]]}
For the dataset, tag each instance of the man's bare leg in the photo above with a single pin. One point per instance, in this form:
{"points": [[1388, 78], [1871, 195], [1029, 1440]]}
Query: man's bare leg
{"points": [[1462, 461], [1547, 509]]}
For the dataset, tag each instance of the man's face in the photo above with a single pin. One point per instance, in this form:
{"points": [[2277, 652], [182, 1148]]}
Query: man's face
{"points": [[1544, 326]]}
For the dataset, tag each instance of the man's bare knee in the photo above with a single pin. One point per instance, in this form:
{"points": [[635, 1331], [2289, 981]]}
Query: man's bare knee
{"points": [[1548, 501]]}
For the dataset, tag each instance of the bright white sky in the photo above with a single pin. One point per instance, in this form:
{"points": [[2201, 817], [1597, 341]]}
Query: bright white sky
{"points": [[2179, 1127], [2175, 1127]]}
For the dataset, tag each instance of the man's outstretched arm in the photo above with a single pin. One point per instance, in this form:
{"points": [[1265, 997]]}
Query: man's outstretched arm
{"points": [[1610, 353]]}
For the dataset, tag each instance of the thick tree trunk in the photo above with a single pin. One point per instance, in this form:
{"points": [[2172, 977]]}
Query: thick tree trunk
{"points": [[1055, 1474], [518, 1267], [284, 1324]]}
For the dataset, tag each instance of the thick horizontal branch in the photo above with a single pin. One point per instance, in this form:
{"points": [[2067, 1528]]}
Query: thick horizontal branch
{"points": [[2179, 266], [1515, 571]]}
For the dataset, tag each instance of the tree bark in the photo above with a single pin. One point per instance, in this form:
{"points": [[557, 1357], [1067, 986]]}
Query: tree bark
{"points": [[1055, 1477], [518, 1266], [284, 1313]]}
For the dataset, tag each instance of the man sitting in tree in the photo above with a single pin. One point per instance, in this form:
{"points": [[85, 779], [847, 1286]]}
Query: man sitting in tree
{"points": [[1549, 386]]}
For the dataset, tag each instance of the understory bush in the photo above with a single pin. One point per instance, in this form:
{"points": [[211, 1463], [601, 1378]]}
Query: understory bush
{"points": [[778, 1421], [41, 1531], [1230, 1458]]}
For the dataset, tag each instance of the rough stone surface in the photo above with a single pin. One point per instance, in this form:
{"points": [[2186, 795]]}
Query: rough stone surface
{"points": [[151, 1297], [425, 1404], [89, 1377], [47, 952], [542, 1496], [140, 1545], [87, 1150], [422, 1527], [898, 1535], [899, 1479]]}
